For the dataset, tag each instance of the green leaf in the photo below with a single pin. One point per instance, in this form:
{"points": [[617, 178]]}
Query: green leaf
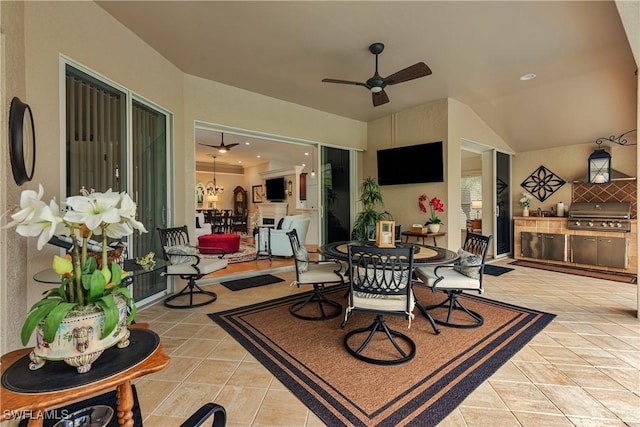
{"points": [[116, 273], [90, 266], [42, 308], [54, 319], [96, 287], [111, 315]]}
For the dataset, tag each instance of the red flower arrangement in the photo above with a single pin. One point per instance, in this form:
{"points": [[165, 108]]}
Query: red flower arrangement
{"points": [[435, 205]]}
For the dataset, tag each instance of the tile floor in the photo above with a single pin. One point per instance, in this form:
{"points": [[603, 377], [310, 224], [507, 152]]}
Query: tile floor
{"points": [[582, 370]]}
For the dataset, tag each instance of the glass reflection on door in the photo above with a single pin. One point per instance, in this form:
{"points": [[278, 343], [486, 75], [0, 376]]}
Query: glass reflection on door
{"points": [[503, 201], [149, 135], [334, 181]]}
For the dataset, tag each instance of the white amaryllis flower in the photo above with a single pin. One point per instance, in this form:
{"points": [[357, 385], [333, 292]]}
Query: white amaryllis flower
{"points": [[128, 213], [30, 205], [44, 223], [94, 209]]}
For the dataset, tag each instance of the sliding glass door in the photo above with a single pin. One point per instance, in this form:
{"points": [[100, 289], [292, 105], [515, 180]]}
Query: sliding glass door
{"points": [[110, 145], [149, 164], [336, 200]]}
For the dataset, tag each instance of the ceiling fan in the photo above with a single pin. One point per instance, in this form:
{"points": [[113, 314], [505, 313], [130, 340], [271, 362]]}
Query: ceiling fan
{"points": [[221, 148], [377, 83]]}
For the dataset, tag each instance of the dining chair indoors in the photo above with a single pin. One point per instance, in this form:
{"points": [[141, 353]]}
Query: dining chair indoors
{"points": [[318, 274], [453, 280], [184, 261], [380, 284]]}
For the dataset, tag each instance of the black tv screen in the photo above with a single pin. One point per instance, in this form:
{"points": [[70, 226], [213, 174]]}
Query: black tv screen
{"points": [[411, 165], [275, 189]]}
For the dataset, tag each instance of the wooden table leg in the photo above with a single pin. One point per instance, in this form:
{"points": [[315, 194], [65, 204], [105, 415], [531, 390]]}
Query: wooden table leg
{"points": [[35, 422], [124, 401]]}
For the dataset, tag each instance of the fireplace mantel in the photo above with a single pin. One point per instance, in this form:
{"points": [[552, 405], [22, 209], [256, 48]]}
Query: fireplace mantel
{"points": [[272, 212]]}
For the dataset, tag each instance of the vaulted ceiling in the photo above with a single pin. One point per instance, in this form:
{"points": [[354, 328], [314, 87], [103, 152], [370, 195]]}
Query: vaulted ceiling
{"points": [[585, 87]]}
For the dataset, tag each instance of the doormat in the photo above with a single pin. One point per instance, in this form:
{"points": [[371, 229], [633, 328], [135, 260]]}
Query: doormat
{"points": [[251, 282], [496, 270], [342, 390], [606, 275]]}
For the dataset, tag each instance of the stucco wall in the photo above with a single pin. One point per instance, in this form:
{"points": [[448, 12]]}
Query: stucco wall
{"points": [[570, 164], [13, 248], [446, 120], [422, 124]]}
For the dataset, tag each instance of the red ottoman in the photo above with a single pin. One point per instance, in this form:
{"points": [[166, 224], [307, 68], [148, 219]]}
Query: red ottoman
{"points": [[228, 242]]}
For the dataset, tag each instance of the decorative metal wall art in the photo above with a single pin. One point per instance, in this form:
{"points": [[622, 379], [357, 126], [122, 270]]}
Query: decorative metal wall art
{"points": [[542, 183]]}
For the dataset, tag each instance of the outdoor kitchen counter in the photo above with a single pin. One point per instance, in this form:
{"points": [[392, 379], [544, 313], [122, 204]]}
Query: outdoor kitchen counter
{"points": [[549, 224]]}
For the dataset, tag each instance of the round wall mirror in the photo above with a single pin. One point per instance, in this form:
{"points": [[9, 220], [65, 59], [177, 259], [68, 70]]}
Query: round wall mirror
{"points": [[22, 141]]}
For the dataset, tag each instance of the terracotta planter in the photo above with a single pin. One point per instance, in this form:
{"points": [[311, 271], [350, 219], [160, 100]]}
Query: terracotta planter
{"points": [[77, 341]]}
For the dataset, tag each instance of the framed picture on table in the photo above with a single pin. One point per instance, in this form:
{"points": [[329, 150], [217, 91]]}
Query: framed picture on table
{"points": [[256, 194]]}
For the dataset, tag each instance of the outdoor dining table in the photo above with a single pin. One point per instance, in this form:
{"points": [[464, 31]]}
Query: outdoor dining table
{"points": [[424, 255]]}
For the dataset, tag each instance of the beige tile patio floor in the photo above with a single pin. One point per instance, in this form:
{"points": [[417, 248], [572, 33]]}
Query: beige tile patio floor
{"points": [[583, 369]]}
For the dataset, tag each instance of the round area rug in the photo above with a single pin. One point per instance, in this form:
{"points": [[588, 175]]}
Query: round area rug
{"points": [[247, 252]]}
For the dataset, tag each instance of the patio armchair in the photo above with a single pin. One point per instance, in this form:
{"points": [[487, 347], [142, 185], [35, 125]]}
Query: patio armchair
{"points": [[453, 280], [184, 261], [380, 284]]}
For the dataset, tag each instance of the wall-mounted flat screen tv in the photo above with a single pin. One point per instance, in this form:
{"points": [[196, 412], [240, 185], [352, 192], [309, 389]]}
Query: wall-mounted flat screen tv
{"points": [[411, 165], [275, 189]]}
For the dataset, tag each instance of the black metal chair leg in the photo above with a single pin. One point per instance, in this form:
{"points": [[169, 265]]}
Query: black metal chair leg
{"points": [[379, 325], [190, 292], [333, 308], [452, 303]]}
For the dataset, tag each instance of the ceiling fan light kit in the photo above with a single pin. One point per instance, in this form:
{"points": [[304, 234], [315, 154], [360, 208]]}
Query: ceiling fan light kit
{"points": [[377, 83]]}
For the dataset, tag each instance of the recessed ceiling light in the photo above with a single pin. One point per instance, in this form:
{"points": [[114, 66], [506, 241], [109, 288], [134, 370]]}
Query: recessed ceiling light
{"points": [[529, 76], [239, 161], [247, 143], [306, 154], [304, 164], [258, 156]]}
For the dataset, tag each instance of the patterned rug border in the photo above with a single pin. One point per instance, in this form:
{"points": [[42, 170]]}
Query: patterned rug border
{"points": [[567, 269], [495, 350]]}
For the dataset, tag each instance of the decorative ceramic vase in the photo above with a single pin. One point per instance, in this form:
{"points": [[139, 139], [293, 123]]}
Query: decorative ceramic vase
{"points": [[433, 228], [525, 211], [77, 341]]}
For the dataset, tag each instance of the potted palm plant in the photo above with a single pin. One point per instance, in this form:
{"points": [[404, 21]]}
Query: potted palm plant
{"points": [[90, 310], [371, 199]]}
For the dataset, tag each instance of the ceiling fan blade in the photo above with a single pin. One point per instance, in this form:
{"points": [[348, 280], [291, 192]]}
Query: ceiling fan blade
{"points": [[207, 145], [228, 146], [379, 98], [344, 82], [413, 72]]}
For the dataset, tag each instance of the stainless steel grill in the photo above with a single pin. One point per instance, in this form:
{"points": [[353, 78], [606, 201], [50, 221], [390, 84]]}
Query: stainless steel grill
{"points": [[600, 216]]}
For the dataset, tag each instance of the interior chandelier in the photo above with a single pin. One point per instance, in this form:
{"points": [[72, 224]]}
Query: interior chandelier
{"points": [[216, 190]]}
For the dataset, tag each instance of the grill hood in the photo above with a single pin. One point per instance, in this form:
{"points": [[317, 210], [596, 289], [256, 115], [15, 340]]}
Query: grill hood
{"points": [[617, 210]]}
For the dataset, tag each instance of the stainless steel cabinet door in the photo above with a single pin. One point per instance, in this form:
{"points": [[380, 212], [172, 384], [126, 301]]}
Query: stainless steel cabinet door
{"points": [[612, 252], [554, 246], [584, 250], [531, 244]]}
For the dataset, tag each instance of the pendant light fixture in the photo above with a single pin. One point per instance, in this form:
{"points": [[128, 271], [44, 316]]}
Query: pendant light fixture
{"points": [[313, 162], [216, 190], [599, 162]]}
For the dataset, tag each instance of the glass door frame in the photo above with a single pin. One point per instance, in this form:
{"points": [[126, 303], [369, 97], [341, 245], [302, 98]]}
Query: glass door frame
{"points": [[169, 185]]}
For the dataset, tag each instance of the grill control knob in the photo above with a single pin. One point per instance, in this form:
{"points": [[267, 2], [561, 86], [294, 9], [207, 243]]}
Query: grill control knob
{"points": [[590, 223], [611, 224], [577, 223], [619, 225], [604, 224]]}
